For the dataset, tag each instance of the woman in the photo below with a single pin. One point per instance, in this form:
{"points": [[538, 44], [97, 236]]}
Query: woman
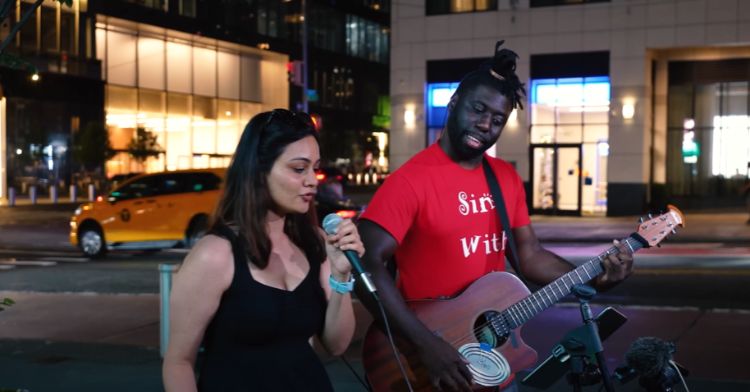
{"points": [[265, 279]]}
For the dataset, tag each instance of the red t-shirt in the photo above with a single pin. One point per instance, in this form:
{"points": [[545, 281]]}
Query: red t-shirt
{"points": [[444, 220]]}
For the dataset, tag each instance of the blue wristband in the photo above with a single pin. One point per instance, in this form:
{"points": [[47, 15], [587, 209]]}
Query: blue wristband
{"points": [[341, 287]]}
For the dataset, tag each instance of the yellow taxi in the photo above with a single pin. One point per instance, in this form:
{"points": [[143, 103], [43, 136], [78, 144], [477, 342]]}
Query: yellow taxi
{"points": [[149, 211]]}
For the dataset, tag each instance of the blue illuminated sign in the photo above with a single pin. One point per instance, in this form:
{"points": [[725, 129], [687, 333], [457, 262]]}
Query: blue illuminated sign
{"points": [[590, 91]]}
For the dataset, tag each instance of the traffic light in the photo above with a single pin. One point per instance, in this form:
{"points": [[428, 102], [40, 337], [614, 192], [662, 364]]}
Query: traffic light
{"points": [[295, 72]]}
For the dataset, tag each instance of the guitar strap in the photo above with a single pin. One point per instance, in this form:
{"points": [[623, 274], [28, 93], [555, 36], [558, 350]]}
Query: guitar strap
{"points": [[497, 195]]}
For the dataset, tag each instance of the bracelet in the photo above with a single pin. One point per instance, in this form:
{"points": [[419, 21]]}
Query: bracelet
{"points": [[341, 287]]}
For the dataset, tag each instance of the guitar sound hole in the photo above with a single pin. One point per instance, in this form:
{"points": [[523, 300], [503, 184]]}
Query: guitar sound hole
{"points": [[485, 333]]}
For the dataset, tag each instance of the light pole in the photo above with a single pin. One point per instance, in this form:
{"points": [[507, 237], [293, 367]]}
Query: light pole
{"points": [[304, 57]]}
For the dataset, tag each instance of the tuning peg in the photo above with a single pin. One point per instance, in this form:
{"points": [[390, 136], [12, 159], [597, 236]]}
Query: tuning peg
{"points": [[674, 231], [640, 219], [658, 245], [650, 216]]}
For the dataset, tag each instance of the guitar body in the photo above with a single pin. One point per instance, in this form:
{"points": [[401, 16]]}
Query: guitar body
{"points": [[496, 305], [454, 321]]}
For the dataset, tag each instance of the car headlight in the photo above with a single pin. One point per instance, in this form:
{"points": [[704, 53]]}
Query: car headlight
{"points": [[77, 211]]}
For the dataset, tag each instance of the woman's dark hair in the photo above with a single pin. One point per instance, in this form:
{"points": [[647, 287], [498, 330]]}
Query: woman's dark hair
{"points": [[246, 200], [498, 73]]}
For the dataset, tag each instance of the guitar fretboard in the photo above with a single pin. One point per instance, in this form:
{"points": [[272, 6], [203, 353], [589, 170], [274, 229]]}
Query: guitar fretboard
{"points": [[525, 309]]}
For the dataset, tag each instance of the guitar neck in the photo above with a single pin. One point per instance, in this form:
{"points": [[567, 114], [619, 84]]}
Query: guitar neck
{"points": [[525, 309]]}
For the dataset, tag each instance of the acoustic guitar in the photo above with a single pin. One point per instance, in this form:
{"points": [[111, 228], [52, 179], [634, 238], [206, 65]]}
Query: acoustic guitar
{"points": [[484, 322]]}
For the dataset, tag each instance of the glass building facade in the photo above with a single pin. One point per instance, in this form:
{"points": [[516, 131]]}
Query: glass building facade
{"points": [[195, 95], [708, 130]]}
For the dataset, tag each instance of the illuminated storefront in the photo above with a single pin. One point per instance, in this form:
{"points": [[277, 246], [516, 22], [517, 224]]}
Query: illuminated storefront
{"points": [[194, 94], [569, 144]]}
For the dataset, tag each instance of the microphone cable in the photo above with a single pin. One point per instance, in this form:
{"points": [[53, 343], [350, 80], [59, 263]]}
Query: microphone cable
{"points": [[393, 344], [354, 372], [387, 327], [679, 373]]}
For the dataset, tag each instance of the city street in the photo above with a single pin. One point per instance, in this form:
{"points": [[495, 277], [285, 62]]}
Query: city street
{"points": [[89, 324], [126, 124]]}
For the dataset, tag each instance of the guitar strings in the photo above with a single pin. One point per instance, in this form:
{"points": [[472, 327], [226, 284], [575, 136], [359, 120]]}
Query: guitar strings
{"points": [[471, 336]]}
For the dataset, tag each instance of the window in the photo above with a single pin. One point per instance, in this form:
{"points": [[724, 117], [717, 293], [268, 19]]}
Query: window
{"points": [[156, 4], [335, 87], [67, 31], [439, 7], [708, 138], [570, 110], [28, 30], [366, 39], [171, 183], [145, 187], [438, 95], [49, 29], [187, 8], [199, 182], [548, 3], [326, 29]]}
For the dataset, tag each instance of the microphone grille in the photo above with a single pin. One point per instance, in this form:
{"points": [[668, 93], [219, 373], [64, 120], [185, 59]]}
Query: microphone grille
{"points": [[331, 223], [649, 355]]}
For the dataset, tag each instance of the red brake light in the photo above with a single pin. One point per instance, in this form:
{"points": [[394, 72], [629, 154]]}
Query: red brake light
{"points": [[346, 214], [99, 198]]}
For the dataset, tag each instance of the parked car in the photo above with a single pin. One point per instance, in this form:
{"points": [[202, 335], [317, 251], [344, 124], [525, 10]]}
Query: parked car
{"points": [[170, 209], [148, 211]]}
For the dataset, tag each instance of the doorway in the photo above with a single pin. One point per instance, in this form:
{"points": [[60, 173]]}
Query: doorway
{"points": [[557, 179]]}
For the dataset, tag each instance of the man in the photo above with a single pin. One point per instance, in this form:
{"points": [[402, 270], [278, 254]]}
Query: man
{"points": [[436, 217]]}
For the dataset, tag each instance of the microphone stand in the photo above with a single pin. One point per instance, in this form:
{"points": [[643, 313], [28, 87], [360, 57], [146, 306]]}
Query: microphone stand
{"points": [[584, 341]]}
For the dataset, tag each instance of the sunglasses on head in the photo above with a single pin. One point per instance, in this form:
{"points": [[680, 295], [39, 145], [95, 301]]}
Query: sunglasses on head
{"points": [[289, 117]]}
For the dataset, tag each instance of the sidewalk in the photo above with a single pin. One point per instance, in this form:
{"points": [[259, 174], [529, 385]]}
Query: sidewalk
{"points": [[110, 343], [728, 226]]}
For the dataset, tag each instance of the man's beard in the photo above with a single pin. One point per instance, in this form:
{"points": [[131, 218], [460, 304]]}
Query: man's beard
{"points": [[456, 137]]}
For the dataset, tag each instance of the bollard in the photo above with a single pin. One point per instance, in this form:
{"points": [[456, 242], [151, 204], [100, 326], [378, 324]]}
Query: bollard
{"points": [[11, 197], [53, 194], [165, 287], [32, 194], [73, 193], [92, 192]]}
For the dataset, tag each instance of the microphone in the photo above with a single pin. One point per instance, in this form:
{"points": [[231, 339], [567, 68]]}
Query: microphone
{"points": [[649, 355], [330, 225], [651, 358]]}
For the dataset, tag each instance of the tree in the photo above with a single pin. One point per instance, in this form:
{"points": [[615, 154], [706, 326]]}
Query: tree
{"points": [[144, 146], [91, 146]]}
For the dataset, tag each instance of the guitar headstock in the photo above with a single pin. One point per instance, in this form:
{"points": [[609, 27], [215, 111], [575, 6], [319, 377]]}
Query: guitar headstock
{"points": [[657, 228]]}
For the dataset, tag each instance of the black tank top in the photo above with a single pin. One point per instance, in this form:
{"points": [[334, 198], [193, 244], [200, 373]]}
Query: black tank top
{"points": [[258, 338]]}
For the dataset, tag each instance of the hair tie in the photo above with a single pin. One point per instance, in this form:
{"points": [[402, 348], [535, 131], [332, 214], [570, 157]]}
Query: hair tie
{"points": [[496, 75]]}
